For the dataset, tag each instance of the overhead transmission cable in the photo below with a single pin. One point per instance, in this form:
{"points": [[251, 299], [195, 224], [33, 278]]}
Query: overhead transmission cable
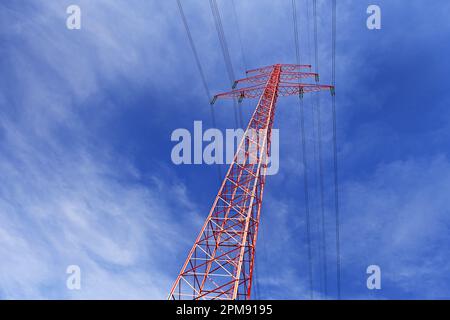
{"points": [[201, 72], [308, 28], [322, 281], [319, 139], [244, 60], [304, 160], [335, 163], [314, 138], [226, 55]]}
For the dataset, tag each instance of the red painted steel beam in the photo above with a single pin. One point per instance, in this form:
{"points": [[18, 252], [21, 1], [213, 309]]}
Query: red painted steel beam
{"points": [[285, 76], [284, 67]]}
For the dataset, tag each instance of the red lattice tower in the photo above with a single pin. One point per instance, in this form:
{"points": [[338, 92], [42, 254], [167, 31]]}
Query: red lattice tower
{"points": [[220, 264]]}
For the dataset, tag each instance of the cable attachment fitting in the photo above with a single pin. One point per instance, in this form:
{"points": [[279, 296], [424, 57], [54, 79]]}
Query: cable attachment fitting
{"points": [[241, 97], [300, 93], [333, 91]]}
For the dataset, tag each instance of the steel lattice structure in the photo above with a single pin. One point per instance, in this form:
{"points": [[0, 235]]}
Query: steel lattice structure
{"points": [[220, 263]]}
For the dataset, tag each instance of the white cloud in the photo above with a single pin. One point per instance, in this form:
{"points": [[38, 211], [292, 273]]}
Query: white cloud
{"points": [[73, 208], [65, 198], [399, 218]]}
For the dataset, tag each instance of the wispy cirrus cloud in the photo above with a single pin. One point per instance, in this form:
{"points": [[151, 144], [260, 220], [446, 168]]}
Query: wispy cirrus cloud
{"points": [[400, 216], [77, 210], [66, 196]]}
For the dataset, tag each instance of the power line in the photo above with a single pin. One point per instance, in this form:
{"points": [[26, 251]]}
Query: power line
{"points": [[308, 25], [319, 139], [226, 55], [255, 275], [305, 182], [304, 159], [244, 60], [316, 157], [201, 72], [294, 16], [335, 164], [196, 57]]}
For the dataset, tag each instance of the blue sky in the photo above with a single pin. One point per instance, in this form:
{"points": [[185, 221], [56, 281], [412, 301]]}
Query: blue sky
{"points": [[85, 123]]}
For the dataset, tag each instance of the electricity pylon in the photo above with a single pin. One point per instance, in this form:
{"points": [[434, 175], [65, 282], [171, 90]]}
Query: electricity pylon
{"points": [[220, 263]]}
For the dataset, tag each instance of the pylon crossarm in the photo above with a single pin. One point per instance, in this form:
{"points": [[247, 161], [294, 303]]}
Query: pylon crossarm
{"points": [[284, 89], [290, 89], [293, 67], [284, 76], [284, 67], [249, 92], [295, 75]]}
